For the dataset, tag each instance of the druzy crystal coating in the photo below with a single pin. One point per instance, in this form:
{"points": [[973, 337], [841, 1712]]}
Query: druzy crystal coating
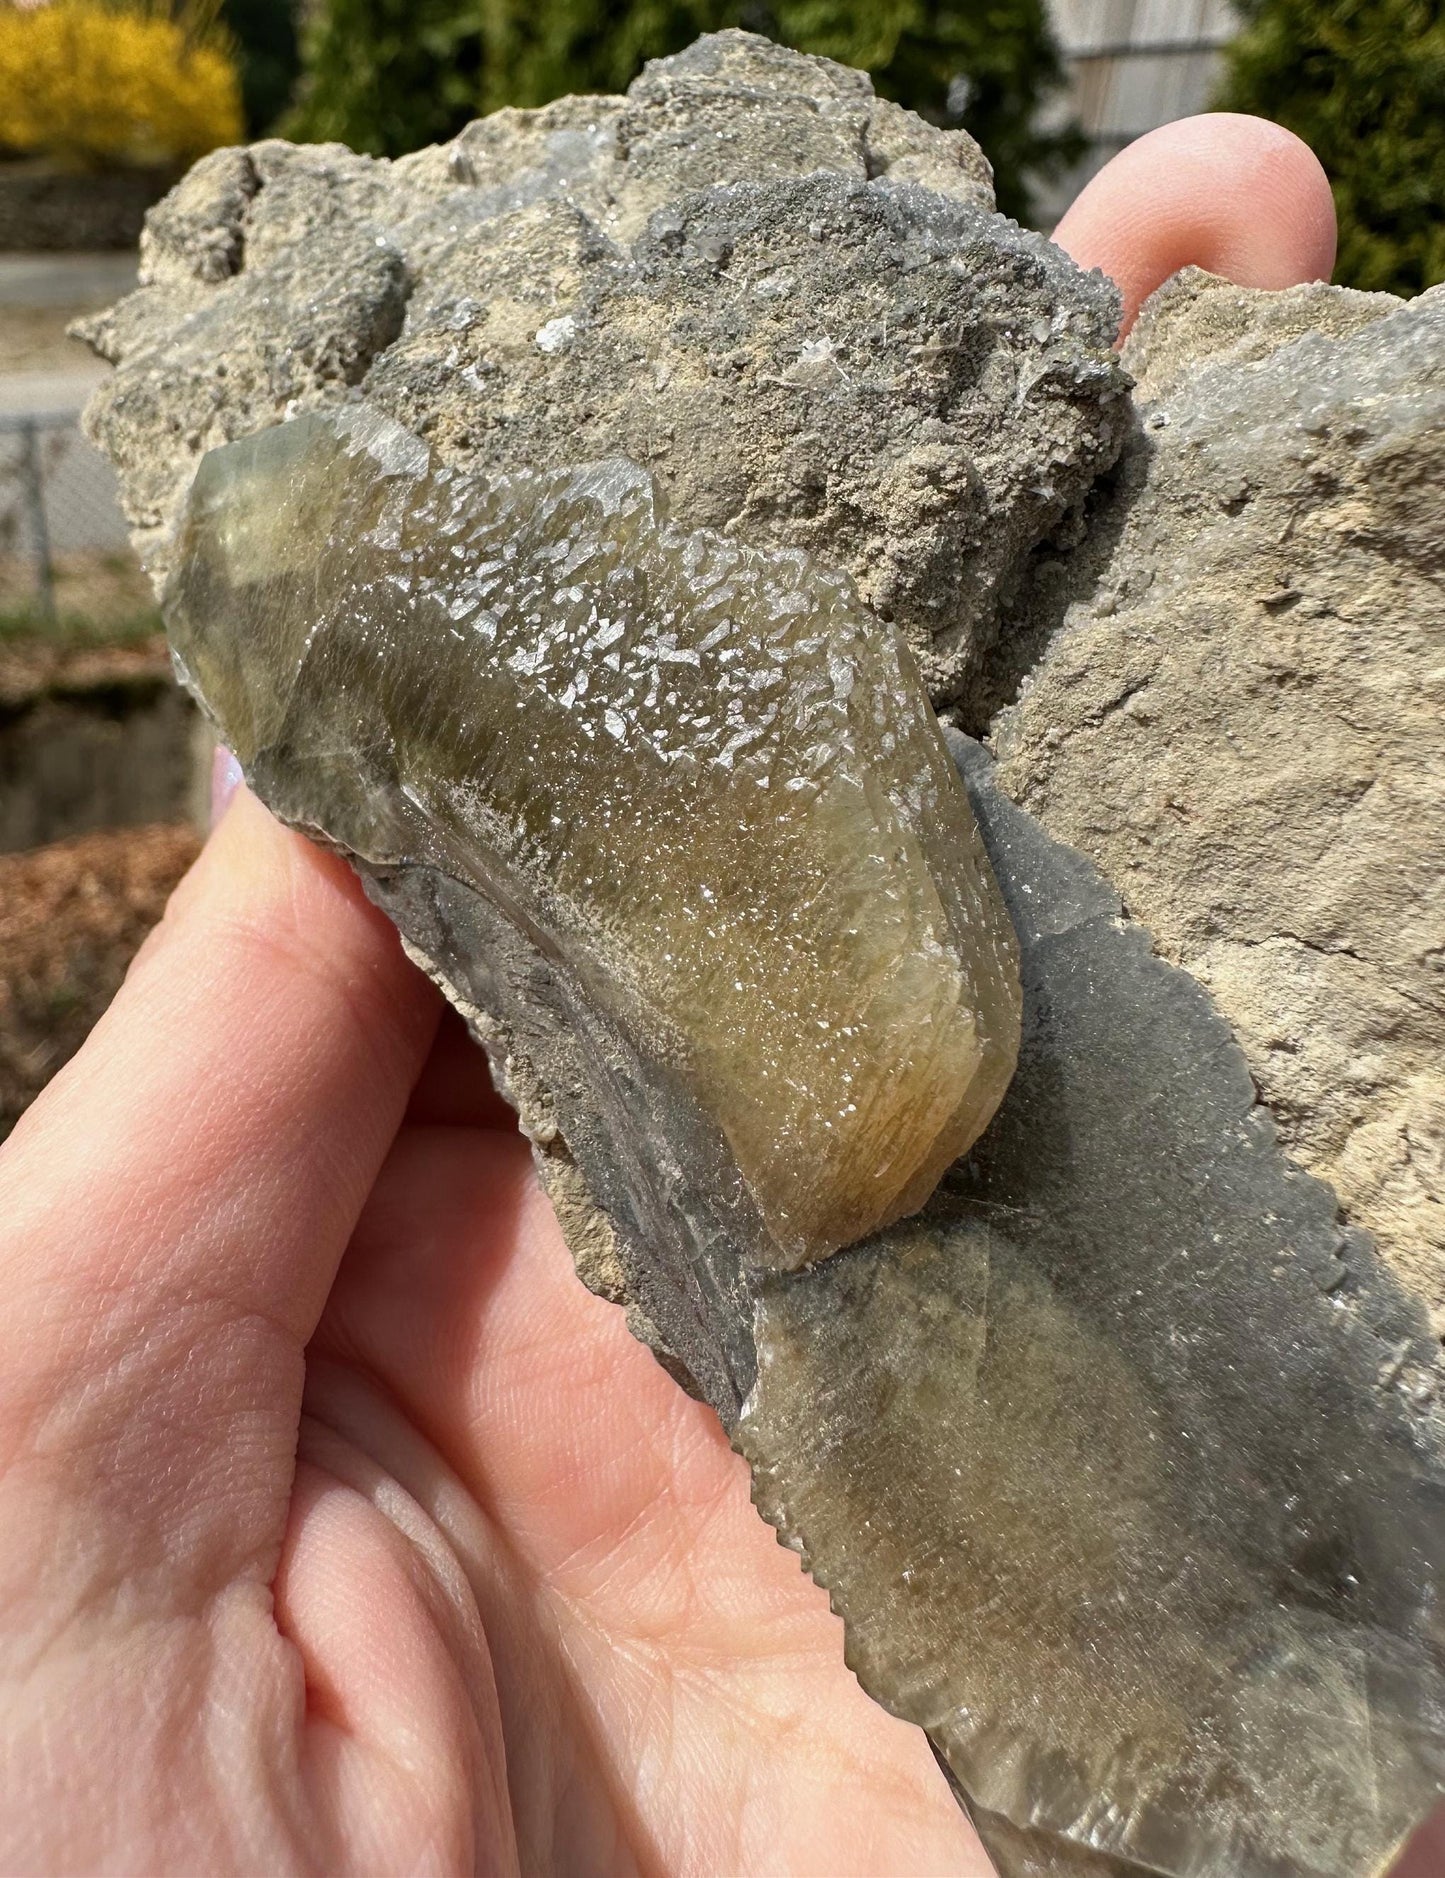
{"points": [[703, 773]]}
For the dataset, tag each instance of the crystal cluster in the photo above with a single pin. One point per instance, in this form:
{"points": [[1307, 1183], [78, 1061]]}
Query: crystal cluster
{"points": [[1121, 1461], [606, 479]]}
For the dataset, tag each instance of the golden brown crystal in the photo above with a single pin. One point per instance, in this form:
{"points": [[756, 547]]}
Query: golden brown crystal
{"points": [[1121, 1462], [704, 775]]}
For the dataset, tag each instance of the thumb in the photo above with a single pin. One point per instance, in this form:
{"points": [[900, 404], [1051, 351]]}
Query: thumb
{"points": [[1232, 194]]}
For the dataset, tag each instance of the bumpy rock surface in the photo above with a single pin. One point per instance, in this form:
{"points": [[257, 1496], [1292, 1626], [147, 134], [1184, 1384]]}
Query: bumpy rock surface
{"points": [[701, 781], [1122, 1460], [783, 296], [1238, 714]]}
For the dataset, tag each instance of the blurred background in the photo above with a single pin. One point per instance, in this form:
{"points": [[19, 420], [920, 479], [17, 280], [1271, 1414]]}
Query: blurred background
{"points": [[103, 103]]}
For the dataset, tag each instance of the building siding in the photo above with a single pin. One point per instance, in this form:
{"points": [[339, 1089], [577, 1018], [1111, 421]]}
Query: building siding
{"points": [[1131, 65]]}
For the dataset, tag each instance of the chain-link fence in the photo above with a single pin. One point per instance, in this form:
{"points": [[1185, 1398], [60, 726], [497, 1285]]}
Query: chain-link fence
{"points": [[63, 544]]}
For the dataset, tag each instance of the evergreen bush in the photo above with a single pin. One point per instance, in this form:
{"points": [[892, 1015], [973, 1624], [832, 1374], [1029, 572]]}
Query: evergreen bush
{"points": [[388, 76], [270, 56], [1363, 83]]}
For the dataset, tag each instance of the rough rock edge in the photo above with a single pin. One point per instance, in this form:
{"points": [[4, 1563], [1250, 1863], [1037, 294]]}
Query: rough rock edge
{"points": [[585, 1227], [687, 1294], [1198, 333], [1196, 317]]}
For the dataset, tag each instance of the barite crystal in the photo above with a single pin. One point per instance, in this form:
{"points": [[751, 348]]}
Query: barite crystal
{"points": [[702, 774]]}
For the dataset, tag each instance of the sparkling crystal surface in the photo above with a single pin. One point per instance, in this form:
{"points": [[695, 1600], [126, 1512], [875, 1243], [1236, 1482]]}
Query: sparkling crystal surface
{"points": [[704, 775]]}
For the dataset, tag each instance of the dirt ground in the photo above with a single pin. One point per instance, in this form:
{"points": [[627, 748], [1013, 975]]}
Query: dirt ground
{"points": [[32, 666], [100, 595], [91, 737], [92, 731], [72, 916]]}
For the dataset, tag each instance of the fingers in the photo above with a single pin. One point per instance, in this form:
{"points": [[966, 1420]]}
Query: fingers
{"points": [[1235, 195], [1424, 1856], [404, 1751], [173, 1209], [459, 1296]]}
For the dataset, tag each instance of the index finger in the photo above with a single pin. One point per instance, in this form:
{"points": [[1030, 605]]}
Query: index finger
{"points": [[1232, 194]]}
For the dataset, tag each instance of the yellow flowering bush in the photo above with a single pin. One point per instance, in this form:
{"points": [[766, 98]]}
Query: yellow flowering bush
{"points": [[96, 84]]}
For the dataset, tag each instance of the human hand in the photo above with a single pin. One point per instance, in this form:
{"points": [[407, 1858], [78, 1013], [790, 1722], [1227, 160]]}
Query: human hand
{"points": [[341, 1529]]}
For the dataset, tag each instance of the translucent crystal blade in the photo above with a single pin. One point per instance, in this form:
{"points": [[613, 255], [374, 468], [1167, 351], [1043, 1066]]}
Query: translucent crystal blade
{"points": [[705, 775], [1121, 1461]]}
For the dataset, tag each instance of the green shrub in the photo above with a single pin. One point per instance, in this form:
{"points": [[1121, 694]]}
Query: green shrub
{"points": [[1363, 83], [388, 76], [535, 53], [270, 57]]}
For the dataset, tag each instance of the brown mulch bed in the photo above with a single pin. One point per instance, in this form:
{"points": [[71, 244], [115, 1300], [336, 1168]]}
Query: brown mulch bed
{"points": [[72, 916], [91, 737], [33, 667]]}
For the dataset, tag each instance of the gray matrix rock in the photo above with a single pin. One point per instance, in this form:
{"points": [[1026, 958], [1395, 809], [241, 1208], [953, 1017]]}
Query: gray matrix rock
{"points": [[1238, 712]]}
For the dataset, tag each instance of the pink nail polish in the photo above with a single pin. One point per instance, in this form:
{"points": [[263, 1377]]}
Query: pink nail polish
{"points": [[225, 780]]}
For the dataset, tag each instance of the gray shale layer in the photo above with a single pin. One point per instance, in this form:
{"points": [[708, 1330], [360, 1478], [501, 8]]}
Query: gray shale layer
{"points": [[1126, 1416], [1237, 712]]}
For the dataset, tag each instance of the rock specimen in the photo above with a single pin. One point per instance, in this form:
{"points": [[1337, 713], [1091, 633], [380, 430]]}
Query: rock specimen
{"points": [[783, 296], [699, 781], [1238, 714], [1122, 1459]]}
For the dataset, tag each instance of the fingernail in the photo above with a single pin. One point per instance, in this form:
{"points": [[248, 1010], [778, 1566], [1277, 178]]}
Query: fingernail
{"points": [[225, 780]]}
